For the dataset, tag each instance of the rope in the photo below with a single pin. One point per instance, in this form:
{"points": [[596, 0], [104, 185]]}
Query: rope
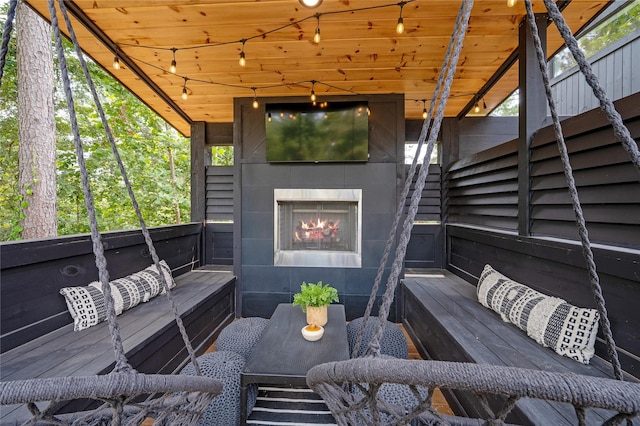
{"points": [[98, 248], [619, 129], [392, 281], [6, 35], [573, 192], [405, 191], [125, 178]]}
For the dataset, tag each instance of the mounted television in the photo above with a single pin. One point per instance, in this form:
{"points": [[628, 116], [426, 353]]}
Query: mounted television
{"points": [[326, 132]]}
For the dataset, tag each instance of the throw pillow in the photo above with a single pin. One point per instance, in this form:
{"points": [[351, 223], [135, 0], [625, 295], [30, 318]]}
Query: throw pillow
{"points": [[552, 322], [87, 305]]}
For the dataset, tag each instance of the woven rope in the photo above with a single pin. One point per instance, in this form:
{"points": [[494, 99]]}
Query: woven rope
{"points": [[184, 401], [392, 281], [125, 178], [582, 392], [594, 279], [177, 400], [405, 190], [6, 35]]}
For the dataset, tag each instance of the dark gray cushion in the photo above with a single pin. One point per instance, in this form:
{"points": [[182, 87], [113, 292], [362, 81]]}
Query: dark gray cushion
{"points": [[392, 342]]}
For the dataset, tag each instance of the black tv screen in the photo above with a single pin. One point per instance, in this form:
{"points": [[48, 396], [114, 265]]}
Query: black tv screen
{"points": [[331, 132]]}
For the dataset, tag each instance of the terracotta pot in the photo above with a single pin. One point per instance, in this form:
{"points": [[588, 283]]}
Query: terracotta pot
{"points": [[317, 315]]}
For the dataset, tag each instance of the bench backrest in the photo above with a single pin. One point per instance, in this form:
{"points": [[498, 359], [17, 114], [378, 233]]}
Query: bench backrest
{"points": [[33, 272]]}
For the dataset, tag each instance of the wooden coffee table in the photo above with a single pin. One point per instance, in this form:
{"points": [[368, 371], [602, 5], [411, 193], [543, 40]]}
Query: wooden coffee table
{"points": [[282, 356]]}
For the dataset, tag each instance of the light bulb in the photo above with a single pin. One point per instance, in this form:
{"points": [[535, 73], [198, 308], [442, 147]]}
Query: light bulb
{"points": [[424, 113], [400, 26], [313, 96], [185, 95], [242, 60], [269, 117], [476, 108], [116, 63], [511, 3], [316, 36], [172, 68], [255, 103]]}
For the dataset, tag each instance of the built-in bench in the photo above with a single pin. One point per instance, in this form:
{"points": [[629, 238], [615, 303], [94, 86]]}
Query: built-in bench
{"points": [[446, 322], [38, 340]]}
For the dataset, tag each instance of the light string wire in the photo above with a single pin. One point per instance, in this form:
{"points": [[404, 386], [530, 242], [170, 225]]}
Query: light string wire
{"points": [[243, 42]]}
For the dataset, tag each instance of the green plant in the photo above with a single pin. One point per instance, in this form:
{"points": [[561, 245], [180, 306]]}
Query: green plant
{"points": [[315, 295]]}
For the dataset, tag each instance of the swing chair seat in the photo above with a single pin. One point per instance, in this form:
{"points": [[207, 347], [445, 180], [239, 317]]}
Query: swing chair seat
{"points": [[445, 319], [201, 297]]}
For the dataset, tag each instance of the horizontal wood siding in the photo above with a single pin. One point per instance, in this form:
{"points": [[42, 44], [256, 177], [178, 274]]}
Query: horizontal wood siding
{"points": [[482, 189], [34, 271], [219, 193], [429, 207], [607, 182], [617, 69], [426, 243]]}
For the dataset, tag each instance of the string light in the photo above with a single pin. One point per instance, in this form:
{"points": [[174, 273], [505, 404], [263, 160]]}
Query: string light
{"points": [[185, 95], [313, 93], [311, 3], [424, 109], [476, 107], [400, 25], [316, 36], [269, 117], [243, 60], [116, 62], [511, 3], [255, 103], [484, 104], [172, 68]]}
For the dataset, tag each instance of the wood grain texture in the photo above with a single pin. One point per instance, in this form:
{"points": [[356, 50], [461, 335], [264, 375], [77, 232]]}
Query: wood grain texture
{"points": [[359, 50]]}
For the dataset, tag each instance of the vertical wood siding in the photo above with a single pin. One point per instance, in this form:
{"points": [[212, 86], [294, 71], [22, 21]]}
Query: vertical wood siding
{"points": [[617, 68]]}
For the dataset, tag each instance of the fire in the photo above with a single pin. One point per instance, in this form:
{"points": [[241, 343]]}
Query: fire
{"points": [[314, 230]]}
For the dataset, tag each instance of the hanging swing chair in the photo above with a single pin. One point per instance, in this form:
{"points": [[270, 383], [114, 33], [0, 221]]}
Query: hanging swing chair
{"points": [[122, 396], [377, 389]]}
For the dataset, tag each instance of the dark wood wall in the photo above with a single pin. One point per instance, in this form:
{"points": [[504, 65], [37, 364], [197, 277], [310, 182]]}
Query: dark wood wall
{"points": [[34, 271], [483, 212]]}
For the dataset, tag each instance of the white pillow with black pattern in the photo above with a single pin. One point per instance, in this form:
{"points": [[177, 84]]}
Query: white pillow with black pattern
{"points": [[552, 322], [87, 306]]}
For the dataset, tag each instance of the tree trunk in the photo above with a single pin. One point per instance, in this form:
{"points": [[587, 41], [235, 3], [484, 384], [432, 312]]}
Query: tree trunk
{"points": [[36, 125]]}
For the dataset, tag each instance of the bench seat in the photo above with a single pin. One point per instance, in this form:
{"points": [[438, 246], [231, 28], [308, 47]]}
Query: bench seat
{"points": [[206, 302], [447, 323]]}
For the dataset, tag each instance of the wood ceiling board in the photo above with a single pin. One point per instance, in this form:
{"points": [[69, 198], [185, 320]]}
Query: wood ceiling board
{"points": [[359, 51]]}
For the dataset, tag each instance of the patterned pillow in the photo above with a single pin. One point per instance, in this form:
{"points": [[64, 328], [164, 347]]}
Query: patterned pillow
{"points": [[87, 305], [550, 321]]}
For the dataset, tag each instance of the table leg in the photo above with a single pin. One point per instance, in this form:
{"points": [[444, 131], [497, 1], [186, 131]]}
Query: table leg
{"points": [[243, 404]]}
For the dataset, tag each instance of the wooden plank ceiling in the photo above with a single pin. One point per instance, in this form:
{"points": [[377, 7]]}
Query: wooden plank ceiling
{"points": [[359, 52]]}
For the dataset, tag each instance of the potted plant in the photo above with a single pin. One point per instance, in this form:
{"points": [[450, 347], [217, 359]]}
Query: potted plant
{"points": [[314, 299]]}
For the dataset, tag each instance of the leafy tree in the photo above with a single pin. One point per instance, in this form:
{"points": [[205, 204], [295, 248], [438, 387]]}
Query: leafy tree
{"points": [[147, 146]]}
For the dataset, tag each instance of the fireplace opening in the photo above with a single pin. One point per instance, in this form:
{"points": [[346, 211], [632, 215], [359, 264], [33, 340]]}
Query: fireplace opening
{"points": [[317, 227]]}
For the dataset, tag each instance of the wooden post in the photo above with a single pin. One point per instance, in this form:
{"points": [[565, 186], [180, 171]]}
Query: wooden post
{"points": [[198, 204], [533, 112]]}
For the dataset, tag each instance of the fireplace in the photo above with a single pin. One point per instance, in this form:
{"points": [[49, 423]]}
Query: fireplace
{"points": [[317, 227]]}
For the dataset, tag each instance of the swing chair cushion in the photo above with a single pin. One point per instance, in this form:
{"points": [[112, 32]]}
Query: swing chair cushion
{"points": [[550, 321], [87, 305]]}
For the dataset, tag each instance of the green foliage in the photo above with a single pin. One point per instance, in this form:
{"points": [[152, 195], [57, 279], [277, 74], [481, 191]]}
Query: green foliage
{"points": [[617, 26], [315, 295], [145, 142], [222, 156]]}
